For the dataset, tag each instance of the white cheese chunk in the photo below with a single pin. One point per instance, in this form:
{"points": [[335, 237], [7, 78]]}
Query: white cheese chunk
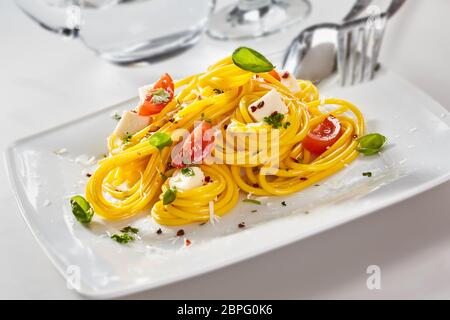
{"points": [[289, 81], [266, 105], [182, 181], [130, 123], [143, 91]]}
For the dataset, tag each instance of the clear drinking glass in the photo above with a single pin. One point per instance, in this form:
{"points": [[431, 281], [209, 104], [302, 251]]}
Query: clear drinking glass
{"points": [[124, 31], [249, 19]]}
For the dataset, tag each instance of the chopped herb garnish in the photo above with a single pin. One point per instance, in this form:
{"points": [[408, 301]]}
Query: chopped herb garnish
{"points": [[130, 229], [160, 140], [160, 96], [127, 138], [122, 238], [286, 124], [81, 209], [371, 144], [253, 211], [116, 116], [283, 203], [251, 60], [169, 196], [252, 201], [188, 172], [367, 174], [274, 119]]}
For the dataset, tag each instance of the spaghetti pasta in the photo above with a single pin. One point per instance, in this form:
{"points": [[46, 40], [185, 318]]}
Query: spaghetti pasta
{"points": [[264, 158]]}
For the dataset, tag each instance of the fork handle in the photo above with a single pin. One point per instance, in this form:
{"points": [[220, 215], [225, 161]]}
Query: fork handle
{"points": [[394, 6]]}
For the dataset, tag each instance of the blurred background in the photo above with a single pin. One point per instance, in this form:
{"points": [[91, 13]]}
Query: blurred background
{"points": [[61, 59]]}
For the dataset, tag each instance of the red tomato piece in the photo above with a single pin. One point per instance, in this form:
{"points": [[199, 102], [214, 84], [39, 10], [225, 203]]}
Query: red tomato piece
{"points": [[195, 148], [148, 107], [323, 136]]}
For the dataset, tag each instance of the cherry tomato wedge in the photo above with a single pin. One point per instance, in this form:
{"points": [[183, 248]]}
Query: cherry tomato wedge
{"points": [[275, 74], [149, 107], [195, 148], [323, 136]]}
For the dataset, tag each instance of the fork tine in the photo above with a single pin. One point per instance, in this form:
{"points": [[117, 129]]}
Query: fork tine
{"points": [[353, 53], [365, 34], [378, 33]]}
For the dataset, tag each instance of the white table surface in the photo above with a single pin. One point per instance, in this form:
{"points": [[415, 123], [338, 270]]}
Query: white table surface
{"points": [[45, 80]]}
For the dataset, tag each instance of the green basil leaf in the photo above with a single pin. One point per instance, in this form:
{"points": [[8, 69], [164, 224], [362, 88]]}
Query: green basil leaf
{"points": [[371, 143], [169, 196], [251, 60], [367, 151], [160, 140], [81, 209]]}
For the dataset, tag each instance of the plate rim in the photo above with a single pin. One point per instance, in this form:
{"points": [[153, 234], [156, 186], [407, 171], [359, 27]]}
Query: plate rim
{"points": [[11, 171]]}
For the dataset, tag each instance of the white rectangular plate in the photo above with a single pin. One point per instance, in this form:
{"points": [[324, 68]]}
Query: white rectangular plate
{"points": [[416, 159]]}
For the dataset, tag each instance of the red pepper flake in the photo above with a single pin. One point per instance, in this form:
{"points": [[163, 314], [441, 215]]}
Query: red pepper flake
{"points": [[171, 120], [253, 108], [159, 231], [355, 136], [303, 179], [88, 175], [260, 104], [207, 179], [187, 242], [285, 75], [255, 185], [180, 233], [274, 113], [225, 126], [241, 225]]}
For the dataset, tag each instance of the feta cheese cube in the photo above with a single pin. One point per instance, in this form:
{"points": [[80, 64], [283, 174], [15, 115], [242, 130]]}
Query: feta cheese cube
{"points": [[130, 123], [266, 105], [181, 181], [289, 81]]}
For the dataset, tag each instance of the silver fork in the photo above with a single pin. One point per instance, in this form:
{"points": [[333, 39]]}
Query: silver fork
{"points": [[359, 44]]}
